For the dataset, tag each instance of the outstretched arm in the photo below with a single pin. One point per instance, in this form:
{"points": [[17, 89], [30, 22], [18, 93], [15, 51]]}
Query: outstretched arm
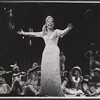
{"points": [[35, 34], [61, 33], [20, 73]]}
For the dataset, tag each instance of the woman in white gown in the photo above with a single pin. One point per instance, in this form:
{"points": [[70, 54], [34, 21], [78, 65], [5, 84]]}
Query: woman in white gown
{"points": [[50, 70]]}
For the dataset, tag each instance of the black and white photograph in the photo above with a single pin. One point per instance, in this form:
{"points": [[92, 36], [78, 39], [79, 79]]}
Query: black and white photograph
{"points": [[49, 49]]}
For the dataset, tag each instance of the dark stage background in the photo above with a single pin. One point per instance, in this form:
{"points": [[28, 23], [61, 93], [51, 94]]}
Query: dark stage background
{"points": [[13, 48]]}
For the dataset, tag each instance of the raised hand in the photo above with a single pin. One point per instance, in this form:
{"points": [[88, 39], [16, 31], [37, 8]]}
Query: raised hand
{"points": [[20, 32], [70, 26]]}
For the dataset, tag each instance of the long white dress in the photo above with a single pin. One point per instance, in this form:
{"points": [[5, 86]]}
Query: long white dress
{"points": [[50, 70]]}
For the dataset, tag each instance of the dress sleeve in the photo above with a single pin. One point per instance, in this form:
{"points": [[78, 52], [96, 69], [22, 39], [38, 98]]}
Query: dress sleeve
{"points": [[58, 33]]}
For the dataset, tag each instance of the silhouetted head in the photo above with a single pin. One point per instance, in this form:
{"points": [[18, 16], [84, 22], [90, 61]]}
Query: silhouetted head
{"points": [[76, 71]]}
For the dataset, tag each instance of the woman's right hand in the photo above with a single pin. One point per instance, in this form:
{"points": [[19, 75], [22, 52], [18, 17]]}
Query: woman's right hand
{"points": [[20, 32]]}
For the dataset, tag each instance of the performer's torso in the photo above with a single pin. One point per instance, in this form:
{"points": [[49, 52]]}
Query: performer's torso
{"points": [[51, 39]]}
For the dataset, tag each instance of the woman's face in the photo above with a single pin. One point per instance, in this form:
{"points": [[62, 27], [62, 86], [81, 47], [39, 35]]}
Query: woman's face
{"points": [[50, 23], [76, 73], [16, 70]]}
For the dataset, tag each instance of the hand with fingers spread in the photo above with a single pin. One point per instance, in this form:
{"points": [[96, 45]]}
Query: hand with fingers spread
{"points": [[70, 26], [20, 32]]}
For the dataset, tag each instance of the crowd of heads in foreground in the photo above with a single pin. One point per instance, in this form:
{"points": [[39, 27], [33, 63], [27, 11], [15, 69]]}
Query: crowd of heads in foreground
{"points": [[73, 82]]}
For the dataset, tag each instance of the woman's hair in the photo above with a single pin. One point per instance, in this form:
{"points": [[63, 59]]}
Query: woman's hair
{"points": [[44, 28], [47, 18]]}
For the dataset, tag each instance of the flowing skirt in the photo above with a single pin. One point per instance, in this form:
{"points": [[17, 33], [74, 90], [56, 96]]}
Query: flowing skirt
{"points": [[50, 72]]}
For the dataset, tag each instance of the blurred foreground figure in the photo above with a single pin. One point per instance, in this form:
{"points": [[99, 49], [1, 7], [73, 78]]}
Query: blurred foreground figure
{"points": [[16, 88], [4, 88], [32, 85]]}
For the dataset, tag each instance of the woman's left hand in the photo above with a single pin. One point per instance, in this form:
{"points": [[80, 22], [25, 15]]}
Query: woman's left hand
{"points": [[70, 26]]}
